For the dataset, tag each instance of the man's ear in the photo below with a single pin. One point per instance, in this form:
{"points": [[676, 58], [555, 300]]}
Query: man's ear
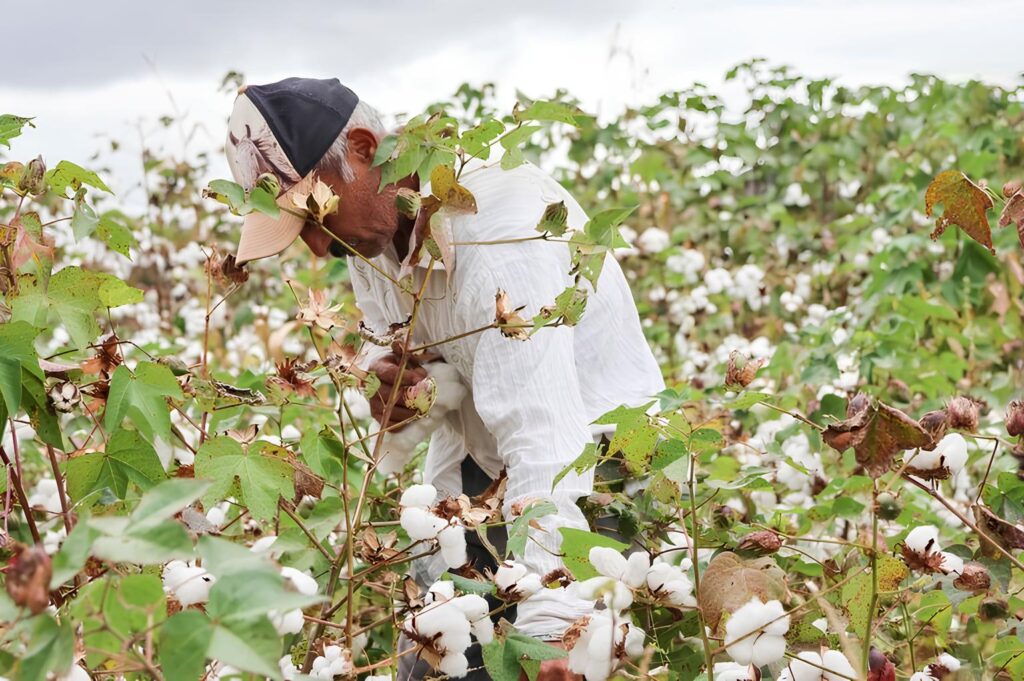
{"points": [[362, 145]]}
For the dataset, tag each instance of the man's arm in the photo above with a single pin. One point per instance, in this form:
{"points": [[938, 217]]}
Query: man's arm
{"points": [[527, 394]]}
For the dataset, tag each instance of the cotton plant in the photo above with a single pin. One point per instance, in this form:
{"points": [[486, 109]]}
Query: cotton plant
{"points": [[598, 642], [617, 577], [421, 523], [756, 633], [672, 583], [828, 665], [446, 625], [921, 551], [336, 661]]}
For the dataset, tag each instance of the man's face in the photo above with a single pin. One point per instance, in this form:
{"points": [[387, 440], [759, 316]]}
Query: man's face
{"points": [[366, 219]]}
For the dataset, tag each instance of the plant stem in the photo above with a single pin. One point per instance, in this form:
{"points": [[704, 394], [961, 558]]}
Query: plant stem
{"points": [[20, 491], [65, 510]]}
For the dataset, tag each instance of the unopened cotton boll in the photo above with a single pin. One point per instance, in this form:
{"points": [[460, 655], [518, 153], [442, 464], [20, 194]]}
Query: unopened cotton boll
{"points": [[452, 541], [830, 665], [755, 633], [189, 584], [418, 495]]}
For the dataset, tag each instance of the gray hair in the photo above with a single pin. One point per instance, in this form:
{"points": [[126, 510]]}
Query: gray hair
{"points": [[336, 157]]}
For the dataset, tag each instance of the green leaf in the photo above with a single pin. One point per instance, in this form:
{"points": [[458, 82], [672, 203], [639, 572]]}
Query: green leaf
{"points": [[856, 593], [114, 231], [520, 528], [115, 293], [10, 382], [83, 221], [261, 473], [576, 545], [747, 400], [470, 586], [558, 112], [73, 553], [166, 499], [935, 610], [127, 458], [253, 593], [264, 202], [50, 648], [149, 544], [142, 397], [505, 659], [635, 436], [71, 294], [11, 126], [584, 462], [324, 454], [67, 174], [183, 641], [251, 646]]}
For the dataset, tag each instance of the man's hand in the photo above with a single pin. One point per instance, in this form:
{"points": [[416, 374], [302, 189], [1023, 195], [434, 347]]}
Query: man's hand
{"points": [[386, 369], [554, 670]]}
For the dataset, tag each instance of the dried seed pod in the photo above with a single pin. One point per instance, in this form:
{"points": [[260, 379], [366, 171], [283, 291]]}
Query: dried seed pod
{"points": [[1015, 418], [975, 577], [741, 370], [1012, 187], [762, 543], [28, 578], [993, 609], [963, 413], [936, 423]]}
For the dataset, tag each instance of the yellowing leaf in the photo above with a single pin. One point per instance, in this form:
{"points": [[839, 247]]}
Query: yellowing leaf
{"points": [[453, 196], [964, 204]]}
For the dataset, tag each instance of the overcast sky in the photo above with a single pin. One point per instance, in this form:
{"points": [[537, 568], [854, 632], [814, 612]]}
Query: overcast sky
{"points": [[91, 71]]}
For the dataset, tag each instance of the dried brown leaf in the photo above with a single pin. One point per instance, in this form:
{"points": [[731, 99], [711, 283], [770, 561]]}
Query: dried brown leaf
{"points": [[876, 432]]}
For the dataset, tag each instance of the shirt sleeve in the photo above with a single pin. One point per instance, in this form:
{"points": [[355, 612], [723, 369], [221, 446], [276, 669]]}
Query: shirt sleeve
{"points": [[368, 302], [527, 394]]}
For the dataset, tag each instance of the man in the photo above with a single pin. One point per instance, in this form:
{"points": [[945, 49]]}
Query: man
{"points": [[530, 402]]}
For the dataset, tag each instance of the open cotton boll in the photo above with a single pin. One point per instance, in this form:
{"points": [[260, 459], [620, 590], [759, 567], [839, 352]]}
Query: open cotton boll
{"points": [[455, 665], [420, 524], [952, 564], [300, 581], [76, 673], [336, 661], [730, 671], [263, 544], [419, 495], [923, 539], [950, 452], [289, 622], [672, 583], [608, 562], [830, 665], [637, 566], [615, 594], [594, 653], [755, 633], [452, 541], [189, 584], [947, 662]]}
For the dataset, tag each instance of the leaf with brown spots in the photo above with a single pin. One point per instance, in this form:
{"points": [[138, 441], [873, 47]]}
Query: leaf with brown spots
{"points": [[876, 432], [1013, 212], [964, 204], [730, 582], [1009, 535]]}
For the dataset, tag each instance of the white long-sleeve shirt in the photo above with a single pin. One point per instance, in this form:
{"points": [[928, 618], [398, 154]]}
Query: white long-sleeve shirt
{"points": [[530, 403]]}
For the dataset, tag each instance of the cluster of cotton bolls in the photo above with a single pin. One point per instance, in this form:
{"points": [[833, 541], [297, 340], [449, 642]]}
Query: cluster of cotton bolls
{"points": [[687, 262], [336, 661], [187, 582], [828, 665], [795, 299], [653, 240], [400, 446], [445, 625], [944, 665], [422, 524], [755, 633], [45, 496], [619, 576]]}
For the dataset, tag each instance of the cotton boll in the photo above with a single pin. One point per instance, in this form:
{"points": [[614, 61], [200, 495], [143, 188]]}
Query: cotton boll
{"points": [[608, 561], [419, 495], [187, 583], [672, 583], [441, 591], [76, 673], [454, 665], [952, 452], [263, 544], [452, 541], [730, 671], [508, 573], [653, 240], [831, 665], [288, 669], [450, 390], [637, 566], [217, 515], [948, 662], [300, 581], [952, 564], [754, 634], [923, 539], [45, 496], [615, 594], [421, 524], [289, 622]]}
